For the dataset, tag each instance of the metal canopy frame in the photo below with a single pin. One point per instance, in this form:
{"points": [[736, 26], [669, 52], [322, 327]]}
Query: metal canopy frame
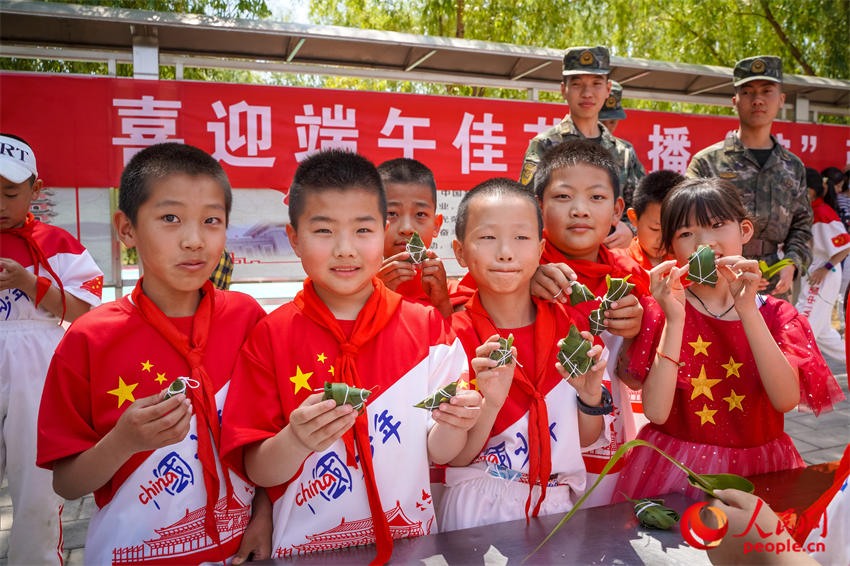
{"points": [[116, 35]]}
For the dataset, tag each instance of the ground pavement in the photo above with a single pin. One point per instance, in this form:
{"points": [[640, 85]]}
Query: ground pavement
{"points": [[821, 439]]}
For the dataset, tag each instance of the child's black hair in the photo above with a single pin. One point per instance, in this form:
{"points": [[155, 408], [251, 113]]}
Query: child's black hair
{"points": [[500, 186], [815, 181], [836, 177], [653, 188], [406, 170], [570, 154], [334, 169], [706, 200], [32, 178], [158, 161]]}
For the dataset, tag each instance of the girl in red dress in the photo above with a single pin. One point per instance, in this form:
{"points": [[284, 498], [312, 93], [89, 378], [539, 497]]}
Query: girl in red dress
{"points": [[725, 362]]}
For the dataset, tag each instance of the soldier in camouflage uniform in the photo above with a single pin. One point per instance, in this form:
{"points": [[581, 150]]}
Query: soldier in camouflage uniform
{"points": [[612, 112], [771, 180], [586, 90]]}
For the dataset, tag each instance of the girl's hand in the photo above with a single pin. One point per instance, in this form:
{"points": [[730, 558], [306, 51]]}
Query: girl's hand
{"points": [[817, 276], [588, 386], [461, 412], [395, 270], [553, 282], [743, 277], [665, 283], [493, 382]]}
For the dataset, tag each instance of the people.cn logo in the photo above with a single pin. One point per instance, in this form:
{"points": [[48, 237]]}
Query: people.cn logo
{"points": [[698, 534]]}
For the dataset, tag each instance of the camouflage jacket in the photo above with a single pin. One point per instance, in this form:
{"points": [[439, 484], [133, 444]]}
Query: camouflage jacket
{"points": [[631, 169], [775, 196]]}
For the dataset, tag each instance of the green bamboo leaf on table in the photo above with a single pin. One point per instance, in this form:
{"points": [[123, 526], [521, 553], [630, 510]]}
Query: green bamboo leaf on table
{"points": [[706, 482], [653, 514], [702, 267]]}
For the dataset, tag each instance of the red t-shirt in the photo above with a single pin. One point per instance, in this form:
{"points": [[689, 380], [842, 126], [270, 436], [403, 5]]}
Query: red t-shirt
{"points": [[111, 357]]}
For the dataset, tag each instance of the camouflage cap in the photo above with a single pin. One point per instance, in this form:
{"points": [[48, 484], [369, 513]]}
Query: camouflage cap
{"points": [[587, 61], [760, 68], [613, 107]]}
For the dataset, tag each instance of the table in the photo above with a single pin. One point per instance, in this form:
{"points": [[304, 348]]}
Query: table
{"points": [[600, 535]]}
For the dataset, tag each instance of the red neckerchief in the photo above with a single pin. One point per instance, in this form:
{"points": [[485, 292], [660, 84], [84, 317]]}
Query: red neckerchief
{"points": [[816, 512], [203, 397], [528, 394], [592, 273], [372, 319], [38, 258]]}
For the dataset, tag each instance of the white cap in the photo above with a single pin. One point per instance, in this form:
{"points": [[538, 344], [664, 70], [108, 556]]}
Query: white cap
{"points": [[17, 160]]}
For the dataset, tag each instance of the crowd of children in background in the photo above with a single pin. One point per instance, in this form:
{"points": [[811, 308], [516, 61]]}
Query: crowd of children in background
{"points": [[251, 450]]}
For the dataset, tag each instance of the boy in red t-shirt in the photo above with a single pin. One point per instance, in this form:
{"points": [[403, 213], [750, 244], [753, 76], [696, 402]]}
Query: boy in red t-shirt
{"points": [[46, 276], [412, 207], [105, 425], [645, 216], [578, 187], [355, 473]]}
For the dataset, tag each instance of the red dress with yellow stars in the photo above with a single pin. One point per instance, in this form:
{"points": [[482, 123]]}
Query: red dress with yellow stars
{"points": [[722, 419]]}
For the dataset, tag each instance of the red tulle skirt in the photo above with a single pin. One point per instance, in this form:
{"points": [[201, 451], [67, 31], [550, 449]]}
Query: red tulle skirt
{"points": [[648, 474]]}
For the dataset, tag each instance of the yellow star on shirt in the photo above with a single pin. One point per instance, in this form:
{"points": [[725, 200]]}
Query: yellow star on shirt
{"points": [[699, 346], [124, 392], [160, 378], [702, 385], [734, 401], [331, 370], [321, 358], [147, 365], [732, 367], [706, 415], [300, 379], [462, 384]]}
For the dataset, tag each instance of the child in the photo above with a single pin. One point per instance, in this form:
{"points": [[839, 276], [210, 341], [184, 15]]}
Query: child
{"points": [[536, 420], [820, 290], [104, 425], [645, 216], [728, 363], [412, 207], [46, 277], [347, 328], [578, 189]]}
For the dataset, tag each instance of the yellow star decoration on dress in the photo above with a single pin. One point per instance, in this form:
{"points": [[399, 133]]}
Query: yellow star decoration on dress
{"points": [[706, 415], [160, 378], [331, 370], [462, 384], [124, 392], [147, 365], [734, 401], [321, 358], [699, 346], [703, 385], [732, 367], [300, 379]]}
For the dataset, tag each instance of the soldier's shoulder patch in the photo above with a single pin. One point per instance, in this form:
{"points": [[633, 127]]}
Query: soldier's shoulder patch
{"points": [[841, 239], [727, 175], [527, 174]]}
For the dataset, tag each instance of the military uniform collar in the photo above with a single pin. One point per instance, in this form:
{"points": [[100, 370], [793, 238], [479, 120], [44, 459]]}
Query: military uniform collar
{"points": [[568, 126], [732, 144]]}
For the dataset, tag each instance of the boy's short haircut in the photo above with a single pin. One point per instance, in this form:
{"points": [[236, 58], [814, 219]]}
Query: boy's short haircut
{"points": [[708, 200], [334, 170], [406, 170], [500, 186], [653, 188], [158, 161], [570, 154]]}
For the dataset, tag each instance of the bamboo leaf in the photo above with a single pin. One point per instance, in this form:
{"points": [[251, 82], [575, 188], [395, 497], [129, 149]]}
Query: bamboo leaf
{"points": [[343, 393], [702, 267], [572, 352], [741, 483], [503, 354], [416, 248], [442, 395]]}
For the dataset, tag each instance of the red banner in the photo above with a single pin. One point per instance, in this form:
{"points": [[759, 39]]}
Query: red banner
{"points": [[84, 129]]}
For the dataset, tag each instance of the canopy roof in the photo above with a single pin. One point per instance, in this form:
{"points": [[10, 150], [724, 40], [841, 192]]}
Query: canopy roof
{"points": [[73, 32]]}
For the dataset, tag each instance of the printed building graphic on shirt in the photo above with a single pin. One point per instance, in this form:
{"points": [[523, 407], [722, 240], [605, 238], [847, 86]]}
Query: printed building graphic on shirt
{"points": [[359, 532], [187, 536]]}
